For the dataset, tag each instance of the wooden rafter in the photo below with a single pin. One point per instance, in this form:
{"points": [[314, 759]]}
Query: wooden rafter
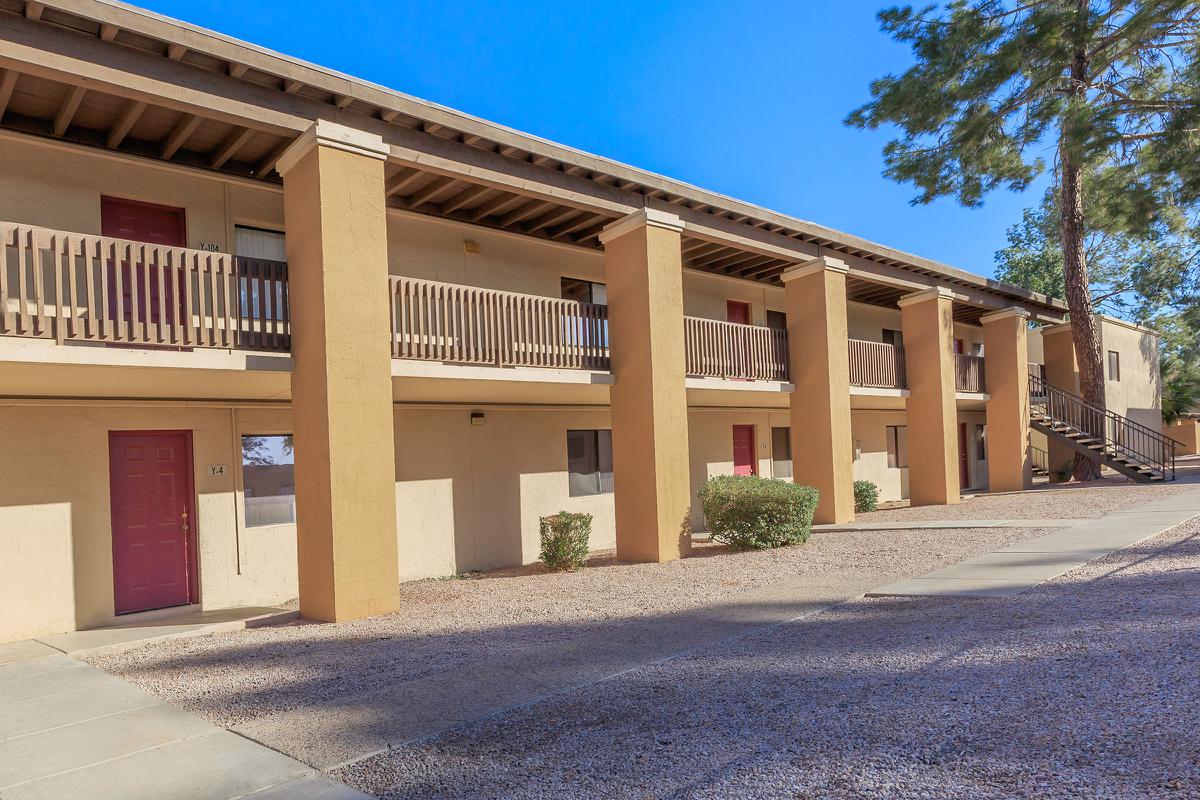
{"points": [[573, 226], [267, 163], [66, 111], [551, 217], [8, 82], [237, 70], [401, 181], [183, 129], [464, 198], [33, 10], [497, 205], [176, 52], [431, 190], [230, 146], [108, 32], [523, 213], [120, 129]]}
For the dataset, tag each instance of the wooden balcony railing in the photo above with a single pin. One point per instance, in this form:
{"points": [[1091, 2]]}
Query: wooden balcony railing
{"points": [[434, 321], [80, 287], [877, 365], [716, 349], [968, 373]]}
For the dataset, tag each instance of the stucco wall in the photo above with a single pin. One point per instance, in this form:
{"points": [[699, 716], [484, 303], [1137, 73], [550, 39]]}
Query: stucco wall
{"points": [[710, 443], [55, 516], [469, 497], [61, 189], [869, 429], [1138, 394], [1187, 433]]}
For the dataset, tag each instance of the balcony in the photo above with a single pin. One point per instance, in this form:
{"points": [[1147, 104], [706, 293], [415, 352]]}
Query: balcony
{"points": [[876, 365], [715, 349], [968, 374], [449, 323], [74, 287]]}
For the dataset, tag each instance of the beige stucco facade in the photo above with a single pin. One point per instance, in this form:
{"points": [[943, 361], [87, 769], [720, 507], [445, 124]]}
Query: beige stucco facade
{"points": [[441, 458]]}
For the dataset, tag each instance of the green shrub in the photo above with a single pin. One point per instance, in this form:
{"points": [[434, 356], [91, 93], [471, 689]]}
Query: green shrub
{"points": [[565, 540], [866, 496], [751, 513]]}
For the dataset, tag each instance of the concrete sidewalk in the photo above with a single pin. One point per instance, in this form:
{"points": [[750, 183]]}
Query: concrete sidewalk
{"points": [[1014, 569], [68, 730]]}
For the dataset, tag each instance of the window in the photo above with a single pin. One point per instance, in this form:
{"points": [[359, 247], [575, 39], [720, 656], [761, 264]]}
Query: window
{"points": [[584, 291], [781, 452], [893, 337], [777, 320], [959, 347], [259, 243], [268, 480], [897, 445], [589, 462], [981, 442], [1114, 365]]}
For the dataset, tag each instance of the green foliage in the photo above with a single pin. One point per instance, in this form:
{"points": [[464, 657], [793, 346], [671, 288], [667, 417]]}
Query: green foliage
{"points": [[1180, 387], [995, 82], [751, 513], [565, 540], [866, 496]]}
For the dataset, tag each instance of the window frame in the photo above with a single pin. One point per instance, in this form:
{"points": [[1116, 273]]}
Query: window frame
{"points": [[1114, 357], [892, 434], [598, 461], [240, 483]]}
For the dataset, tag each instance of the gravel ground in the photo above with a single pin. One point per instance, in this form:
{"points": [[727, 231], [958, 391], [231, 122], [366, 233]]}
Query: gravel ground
{"points": [[1090, 500], [237, 676], [1084, 687]]}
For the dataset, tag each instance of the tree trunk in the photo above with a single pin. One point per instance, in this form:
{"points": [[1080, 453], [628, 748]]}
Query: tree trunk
{"points": [[1079, 299]]}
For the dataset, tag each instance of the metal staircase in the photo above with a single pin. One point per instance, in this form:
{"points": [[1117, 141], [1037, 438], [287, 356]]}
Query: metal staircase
{"points": [[1117, 442]]}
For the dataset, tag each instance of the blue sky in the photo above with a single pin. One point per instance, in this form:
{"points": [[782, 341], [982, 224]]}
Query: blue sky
{"points": [[742, 98]]}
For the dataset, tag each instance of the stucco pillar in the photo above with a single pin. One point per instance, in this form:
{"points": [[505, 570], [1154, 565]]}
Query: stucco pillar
{"points": [[1062, 370], [1006, 361], [341, 382], [644, 271], [819, 363], [928, 324]]}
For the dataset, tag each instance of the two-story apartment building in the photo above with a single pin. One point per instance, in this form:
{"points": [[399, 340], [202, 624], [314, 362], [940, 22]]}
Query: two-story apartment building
{"points": [[268, 331]]}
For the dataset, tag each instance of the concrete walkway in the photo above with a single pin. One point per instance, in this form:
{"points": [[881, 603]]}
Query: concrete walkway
{"points": [[1014, 569], [68, 730], [946, 524]]}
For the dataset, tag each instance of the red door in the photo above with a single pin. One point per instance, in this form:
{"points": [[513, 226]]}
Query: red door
{"points": [[964, 472], [737, 312], [744, 462], [140, 222], [150, 482]]}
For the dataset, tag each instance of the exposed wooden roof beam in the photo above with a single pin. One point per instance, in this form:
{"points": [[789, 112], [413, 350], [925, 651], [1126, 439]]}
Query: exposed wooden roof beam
{"points": [[551, 217], [176, 52], [590, 233], [108, 31], [33, 10], [523, 213], [496, 205], [568, 228], [66, 111], [237, 70], [8, 82], [120, 129], [747, 269], [401, 181], [342, 100], [389, 115], [264, 167], [464, 197], [292, 86], [723, 263], [183, 129], [433, 189], [229, 148]]}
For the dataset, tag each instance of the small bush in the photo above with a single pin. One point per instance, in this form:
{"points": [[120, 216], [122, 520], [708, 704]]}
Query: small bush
{"points": [[565, 540], [866, 496], [751, 513]]}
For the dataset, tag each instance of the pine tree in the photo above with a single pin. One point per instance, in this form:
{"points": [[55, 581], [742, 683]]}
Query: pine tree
{"points": [[1105, 89]]}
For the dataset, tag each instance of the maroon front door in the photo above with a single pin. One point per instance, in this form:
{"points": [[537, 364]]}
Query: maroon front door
{"points": [[743, 450], [141, 222], [737, 312], [150, 482], [964, 471]]}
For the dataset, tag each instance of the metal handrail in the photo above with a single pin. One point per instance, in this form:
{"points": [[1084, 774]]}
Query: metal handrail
{"points": [[1039, 458], [1117, 434]]}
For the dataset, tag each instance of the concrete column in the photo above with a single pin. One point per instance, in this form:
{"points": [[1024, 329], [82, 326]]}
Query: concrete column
{"points": [[1062, 370], [644, 271], [819, 362], [341, 383], [928, 323], [1006, 363]]}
